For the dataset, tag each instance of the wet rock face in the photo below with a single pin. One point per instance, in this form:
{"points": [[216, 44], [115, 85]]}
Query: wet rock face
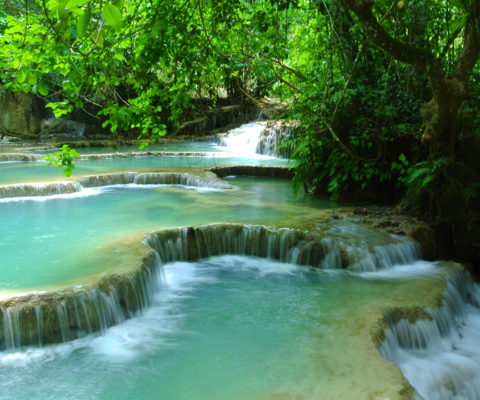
{"points": [[272, 136], [389, 220], [254, 170], [64, 126], [21, 114]]}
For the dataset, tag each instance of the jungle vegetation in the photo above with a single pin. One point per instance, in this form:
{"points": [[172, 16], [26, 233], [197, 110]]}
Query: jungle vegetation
{"points": [[387, 93]]}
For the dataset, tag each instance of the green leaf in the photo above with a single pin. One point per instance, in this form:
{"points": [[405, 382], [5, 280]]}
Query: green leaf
{"points": [[32, 78], [42, 88], [458, 23], [59, 6], [77, 3], [457, 3], [21, 76], [403, 159], [67, 172], [113, 16], [82, 23]]}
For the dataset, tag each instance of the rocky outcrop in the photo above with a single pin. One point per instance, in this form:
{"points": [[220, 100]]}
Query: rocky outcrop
{"points": [[21, 114]]}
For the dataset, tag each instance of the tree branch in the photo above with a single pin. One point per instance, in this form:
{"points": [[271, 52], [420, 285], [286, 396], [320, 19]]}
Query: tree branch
{"points": [[409, 54], [471, 44]]}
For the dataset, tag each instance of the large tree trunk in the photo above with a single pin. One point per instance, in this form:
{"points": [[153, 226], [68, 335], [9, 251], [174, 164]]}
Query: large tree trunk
{"points": [[439, 115]]}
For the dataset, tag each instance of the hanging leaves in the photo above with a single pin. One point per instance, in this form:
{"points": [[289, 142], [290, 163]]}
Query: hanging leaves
{"points": [[112, 16], [82, 23]]}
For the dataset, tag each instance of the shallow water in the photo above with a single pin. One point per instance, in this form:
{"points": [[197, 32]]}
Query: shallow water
{"points": [[197, 146], [226, 327], [18, 172], [46, 241]]}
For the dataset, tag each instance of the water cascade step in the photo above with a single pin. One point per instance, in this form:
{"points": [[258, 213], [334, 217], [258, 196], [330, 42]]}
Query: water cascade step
{"points": [[205, 180], [256, 138], [65, 314], [6, 157], [439, 353]]}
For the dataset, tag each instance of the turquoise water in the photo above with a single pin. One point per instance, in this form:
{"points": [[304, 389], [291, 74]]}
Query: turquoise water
{"points": [[197, 146], [18, 172], [51, 240], [228, 327]]}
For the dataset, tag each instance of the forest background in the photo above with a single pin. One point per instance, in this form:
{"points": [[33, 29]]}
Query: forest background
{"points": [[385, 94]]}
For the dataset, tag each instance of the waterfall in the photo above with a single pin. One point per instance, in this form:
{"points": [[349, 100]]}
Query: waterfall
{"points": [[59, 316], [243, 140], [19, 157], [439, 353], [107, 179], [436, 348], [206, 180], [256, 138], [311, 248], [39, 189]]}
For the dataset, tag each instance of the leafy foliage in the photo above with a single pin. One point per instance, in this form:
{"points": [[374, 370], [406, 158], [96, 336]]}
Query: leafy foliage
{"points": [[63, 158]]}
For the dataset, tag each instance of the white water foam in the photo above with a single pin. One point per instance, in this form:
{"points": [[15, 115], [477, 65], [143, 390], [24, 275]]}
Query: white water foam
{"points": [[403, 271], [441, 357], [85, 192], [243, 140]]}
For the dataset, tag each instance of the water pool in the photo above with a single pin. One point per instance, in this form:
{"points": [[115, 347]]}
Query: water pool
{"points": [[225, 327], [19, 172], [230, 326], [52, 240]]}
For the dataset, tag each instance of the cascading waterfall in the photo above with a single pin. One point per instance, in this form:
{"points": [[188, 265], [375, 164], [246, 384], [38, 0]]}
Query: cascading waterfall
{"points": [[436, 348], [243, 140], [287, 245], [53, 317], [39, 189], [206, 180], [439, 354], [61, 316], [256, 138], [4, 157]]}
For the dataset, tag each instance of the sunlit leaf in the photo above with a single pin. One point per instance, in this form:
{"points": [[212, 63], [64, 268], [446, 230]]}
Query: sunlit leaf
{"points": [[21, 76], [112, 16], [82, 23]]}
